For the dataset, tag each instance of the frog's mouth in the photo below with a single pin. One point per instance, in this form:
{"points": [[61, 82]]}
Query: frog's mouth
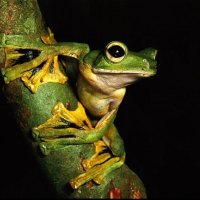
{"points": [[132, 73], [119, 79]]}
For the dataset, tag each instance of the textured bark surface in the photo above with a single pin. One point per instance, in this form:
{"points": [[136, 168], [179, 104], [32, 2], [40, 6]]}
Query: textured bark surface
{"points": [[24, 17]]}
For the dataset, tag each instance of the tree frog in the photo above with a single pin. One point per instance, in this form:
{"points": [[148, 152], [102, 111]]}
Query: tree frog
{"points": [[103, 78], [105, 74], [101, 86]]}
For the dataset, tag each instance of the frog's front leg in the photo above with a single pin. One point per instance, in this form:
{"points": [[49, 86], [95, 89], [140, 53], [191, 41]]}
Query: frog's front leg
{"points": [[70, 128], [73, 127], [36, 61]]}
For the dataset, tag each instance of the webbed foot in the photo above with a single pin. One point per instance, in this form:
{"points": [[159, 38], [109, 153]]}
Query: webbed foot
{"points": [[49, 72], [98, 171]]}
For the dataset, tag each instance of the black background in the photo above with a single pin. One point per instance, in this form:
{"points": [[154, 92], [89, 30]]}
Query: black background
{"points": [[159, 117]]}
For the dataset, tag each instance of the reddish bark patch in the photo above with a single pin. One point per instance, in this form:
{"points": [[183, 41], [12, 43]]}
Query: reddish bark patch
{"points": [[114, 193]]}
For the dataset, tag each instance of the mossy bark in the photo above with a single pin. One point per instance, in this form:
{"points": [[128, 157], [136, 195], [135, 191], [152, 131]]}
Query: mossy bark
{"points": [[31, 110]]}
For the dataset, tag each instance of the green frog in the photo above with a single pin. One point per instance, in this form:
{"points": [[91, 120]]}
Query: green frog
{"points": [[103, 78], [104, 75], [101, 86]]}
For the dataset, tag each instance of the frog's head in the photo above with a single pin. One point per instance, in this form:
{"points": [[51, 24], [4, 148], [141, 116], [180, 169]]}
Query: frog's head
{"points": [[119, 67]]}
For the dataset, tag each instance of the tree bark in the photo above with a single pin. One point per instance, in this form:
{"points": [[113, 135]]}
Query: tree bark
{"points": [[24, 18]]}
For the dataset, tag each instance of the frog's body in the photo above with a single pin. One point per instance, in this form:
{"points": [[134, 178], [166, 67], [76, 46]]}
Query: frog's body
{"points": [[100, 99], [101, 86], [102, 83], [104, 76]]}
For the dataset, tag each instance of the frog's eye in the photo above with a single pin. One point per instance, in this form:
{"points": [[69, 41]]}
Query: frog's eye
{"points": [[116, 51]]}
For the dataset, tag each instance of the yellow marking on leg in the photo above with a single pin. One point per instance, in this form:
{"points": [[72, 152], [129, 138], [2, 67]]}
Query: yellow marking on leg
{"points": [[44, 75], [92, 173], [96, 158], [98, 179]]}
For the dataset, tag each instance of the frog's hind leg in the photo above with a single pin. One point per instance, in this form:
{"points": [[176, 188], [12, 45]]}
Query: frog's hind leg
{"points": [[112, 164], [99, 157], [98, 166]]}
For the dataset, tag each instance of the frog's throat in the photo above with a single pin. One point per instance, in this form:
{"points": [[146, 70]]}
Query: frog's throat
{"points": [[109, 81]]}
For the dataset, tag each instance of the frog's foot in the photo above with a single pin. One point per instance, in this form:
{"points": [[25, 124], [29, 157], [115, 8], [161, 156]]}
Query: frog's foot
{"points": [[99, 157], [119, 161], [98, 166], [24, 57], [62, 123], [98, 172], [50, 72], [68, 127], [66, 122], [18, 61], [36, 65], [58, 131]]}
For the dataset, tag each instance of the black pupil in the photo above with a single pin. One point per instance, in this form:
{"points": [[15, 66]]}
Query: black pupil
{"points": [[116, 51]]}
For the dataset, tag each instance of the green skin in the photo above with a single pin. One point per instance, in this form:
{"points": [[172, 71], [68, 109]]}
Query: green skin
{"points": [[100, 86], [103, 78], [92, 92], [102, 82]]}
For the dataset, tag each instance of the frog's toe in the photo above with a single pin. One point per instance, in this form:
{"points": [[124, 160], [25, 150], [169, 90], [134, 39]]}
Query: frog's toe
{"points": [[98, 172], [49, 72]]}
